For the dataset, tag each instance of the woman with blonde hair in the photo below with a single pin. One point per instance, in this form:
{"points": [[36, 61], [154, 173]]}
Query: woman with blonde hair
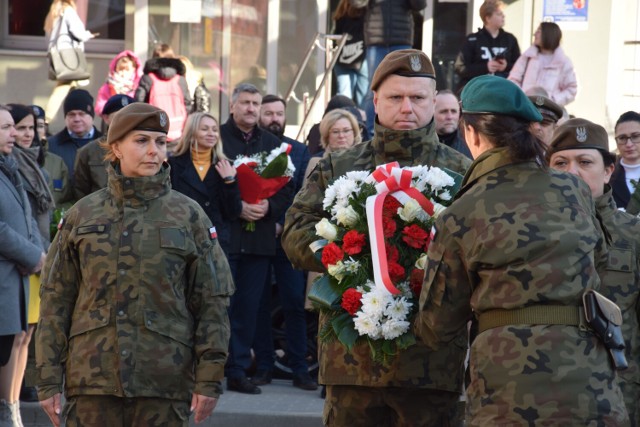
{"points": [[200, 170], [339, 130], [65, 29]]}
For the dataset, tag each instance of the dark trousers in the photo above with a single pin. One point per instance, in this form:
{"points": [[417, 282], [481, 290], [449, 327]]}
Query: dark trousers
{"points": [[250, 274], [291, 289]]}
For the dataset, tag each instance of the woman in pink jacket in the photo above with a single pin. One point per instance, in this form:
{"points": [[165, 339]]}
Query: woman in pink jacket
{"points": [[545, 65], [125, 71]]}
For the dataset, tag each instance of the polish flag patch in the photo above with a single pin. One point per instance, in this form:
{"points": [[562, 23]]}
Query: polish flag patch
{"points": [[213, 233]]}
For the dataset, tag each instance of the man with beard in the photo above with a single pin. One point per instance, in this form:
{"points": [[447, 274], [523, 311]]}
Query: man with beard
{"points": [[291, 283], [251, 252], [447, 116]]}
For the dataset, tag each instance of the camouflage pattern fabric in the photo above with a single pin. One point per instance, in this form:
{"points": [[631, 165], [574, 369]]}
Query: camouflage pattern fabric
{"points": [[134, 296], [621, 284], [101, 411], [416, 367], [356, 406], [90, 169], [518, 236]]}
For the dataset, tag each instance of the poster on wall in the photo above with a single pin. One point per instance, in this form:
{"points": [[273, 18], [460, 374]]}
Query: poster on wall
{"points": [[188, 11], [568, 14]]}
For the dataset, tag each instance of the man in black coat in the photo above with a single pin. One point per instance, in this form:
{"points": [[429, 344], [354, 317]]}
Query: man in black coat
{"points": [[251, 251], [290, 282]]}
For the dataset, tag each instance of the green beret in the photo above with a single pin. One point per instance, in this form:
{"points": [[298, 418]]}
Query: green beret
{"points": [[137, 116], [549, 109], [404, 62], [578, 134], [489, 94]]}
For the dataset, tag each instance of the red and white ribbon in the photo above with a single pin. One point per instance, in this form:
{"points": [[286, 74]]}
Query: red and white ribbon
{"points": [[391, 180]]}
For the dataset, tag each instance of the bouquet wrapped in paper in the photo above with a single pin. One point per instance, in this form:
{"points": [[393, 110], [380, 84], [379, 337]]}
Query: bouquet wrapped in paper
{"points": [[374, 248], [262, 175]]}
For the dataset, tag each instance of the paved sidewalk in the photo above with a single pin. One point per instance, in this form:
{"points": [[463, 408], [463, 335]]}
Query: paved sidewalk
{"points": [[280, 404]]}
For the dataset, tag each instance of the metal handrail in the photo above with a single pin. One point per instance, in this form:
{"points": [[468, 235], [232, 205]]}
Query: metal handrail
{"points": [[335, 53]]}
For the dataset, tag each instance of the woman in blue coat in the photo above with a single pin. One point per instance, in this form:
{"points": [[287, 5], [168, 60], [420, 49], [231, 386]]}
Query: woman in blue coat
{"points": [[201, 171], [20, 255]]}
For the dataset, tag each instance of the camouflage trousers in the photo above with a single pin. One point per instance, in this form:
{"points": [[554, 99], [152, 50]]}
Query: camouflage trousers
{"points": [[353, 406], [112, 411]]}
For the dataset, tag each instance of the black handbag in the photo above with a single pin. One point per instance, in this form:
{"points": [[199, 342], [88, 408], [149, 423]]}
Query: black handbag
{"points": [[67, 64]]}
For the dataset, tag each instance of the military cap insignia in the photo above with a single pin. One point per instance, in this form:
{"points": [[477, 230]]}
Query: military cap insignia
{"points": [[414, 63], [124, 101], [581, 134], [163, 118], [539, 101]]}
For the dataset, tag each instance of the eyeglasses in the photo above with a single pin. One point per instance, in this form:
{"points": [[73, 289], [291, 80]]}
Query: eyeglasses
{"points": [[622, 139], [338, 132]]}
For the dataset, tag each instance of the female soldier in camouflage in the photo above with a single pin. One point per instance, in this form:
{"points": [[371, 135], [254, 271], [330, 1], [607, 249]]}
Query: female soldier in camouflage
{"points": [[582, 148], [133, 320], [517, 249]]}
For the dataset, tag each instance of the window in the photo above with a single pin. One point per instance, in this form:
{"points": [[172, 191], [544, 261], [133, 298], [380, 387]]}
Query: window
{"points": [[24, 21]]}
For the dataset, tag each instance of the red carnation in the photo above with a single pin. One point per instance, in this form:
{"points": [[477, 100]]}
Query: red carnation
{"points": [[390, 206], [352, 242], [415, 236], [389, 227], [415, 281], [396, 272], [331, 254], [392, 253], [351, 301]]}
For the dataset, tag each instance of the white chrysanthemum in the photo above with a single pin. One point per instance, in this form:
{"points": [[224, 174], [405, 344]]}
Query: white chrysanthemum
{"points": [[438, 179], [421, 262], [358, 176], [329, 197], [375, 302], [392, 328], [398, 309], [445, 195], [346, 188], [367, 325], [351, 266], [326, 230], [337, 270], [347, 216]]}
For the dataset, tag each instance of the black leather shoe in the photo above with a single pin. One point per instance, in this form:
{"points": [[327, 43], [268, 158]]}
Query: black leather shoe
{"points": [[28, 394], [242, 385], [304, 381], [261, 378]]}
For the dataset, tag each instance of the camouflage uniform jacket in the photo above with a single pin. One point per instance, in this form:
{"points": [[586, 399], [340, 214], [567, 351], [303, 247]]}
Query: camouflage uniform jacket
{"points": [[90, 169], [517, 236], [417, 366], [621, 283], [59, 183], [134, 296]]}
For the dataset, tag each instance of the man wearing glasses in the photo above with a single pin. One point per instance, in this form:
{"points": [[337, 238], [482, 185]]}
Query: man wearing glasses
{"points": [[626, 175]]}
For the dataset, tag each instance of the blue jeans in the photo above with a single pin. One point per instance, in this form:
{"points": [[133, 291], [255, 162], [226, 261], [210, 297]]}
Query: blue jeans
{"points": [[291, 290], [375, 55], [353, 83], [250, 274]]}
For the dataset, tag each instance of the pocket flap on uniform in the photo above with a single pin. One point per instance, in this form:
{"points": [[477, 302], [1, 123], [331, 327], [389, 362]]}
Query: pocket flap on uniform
{"points": [[620, 259], [173, 237], [172, 328], [88, 321], [93, 228]]}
